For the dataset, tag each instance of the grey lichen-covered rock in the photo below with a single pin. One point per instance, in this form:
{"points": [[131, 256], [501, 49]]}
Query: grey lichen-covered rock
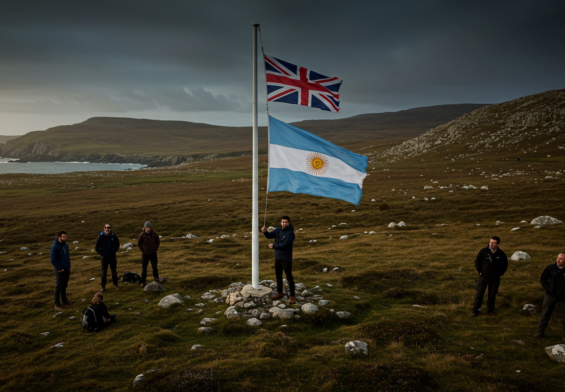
{"points": [[218, 300], [356, 347], [557, 352], [205, 330], [343, 315], [170, 300], [343, 237], [545, 220], [207, 320], [401, 224], [234, 298], [127, 245], [283, 314], [196, 347], [309, 309], [253, 322], [391, 225], [529, 307], [306, 293], [154, 287], [24, 248], [519, 256], [265, 316], [208, 296], [191, 236], [232, 313], [324, 302], [300, 287]]}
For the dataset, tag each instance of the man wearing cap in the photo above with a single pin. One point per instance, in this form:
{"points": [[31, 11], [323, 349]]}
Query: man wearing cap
{"points": [[107, 246], [148, 243]]}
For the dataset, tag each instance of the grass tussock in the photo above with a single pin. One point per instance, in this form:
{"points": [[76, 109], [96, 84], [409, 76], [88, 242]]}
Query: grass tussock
{"points": [[408, 332], [277, 346]]}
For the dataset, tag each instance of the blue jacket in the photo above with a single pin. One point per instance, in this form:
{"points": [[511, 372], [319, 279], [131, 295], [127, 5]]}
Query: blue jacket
{"points": [[283, 242], [60, 257], [107, 245]]}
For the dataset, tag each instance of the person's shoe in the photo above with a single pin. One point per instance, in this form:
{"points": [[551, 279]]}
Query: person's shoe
{"points": [[143, 284], [67, 302], [541, 335], [59, 308], [292, 300], [102, 289], [491, 314], [116, 286], [277, 296], [474, 314]]}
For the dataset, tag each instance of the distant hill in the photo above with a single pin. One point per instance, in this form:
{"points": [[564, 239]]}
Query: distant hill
{"points": [[4, 139], [530, 127], [155, 142]]}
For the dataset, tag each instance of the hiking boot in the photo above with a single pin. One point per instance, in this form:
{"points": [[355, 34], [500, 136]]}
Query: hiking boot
{"points": [[59, 308], [541, 335], [116, 286], [474, 314], [277, 296], [67, 302], [142, 285], [292, 300], [491, 314]]}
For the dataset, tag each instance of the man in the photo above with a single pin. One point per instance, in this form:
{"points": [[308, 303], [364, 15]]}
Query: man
{"points": [[61, 261], [553, 281], [284, 237], [148, 243], [107, 245], [491, 263]]}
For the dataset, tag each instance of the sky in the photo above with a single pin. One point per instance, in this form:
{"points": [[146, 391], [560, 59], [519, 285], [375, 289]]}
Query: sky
{"points": [[62, 62]]}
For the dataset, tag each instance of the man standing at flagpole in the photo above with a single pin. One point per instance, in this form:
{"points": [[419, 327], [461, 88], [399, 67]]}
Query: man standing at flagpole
{"points": [[284, 238]]}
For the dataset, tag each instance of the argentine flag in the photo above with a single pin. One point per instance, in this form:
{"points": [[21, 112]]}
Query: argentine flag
{"points": [[300, 162]]}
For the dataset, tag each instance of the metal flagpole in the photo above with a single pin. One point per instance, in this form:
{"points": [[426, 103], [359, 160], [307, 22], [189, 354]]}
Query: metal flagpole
{"points": [[255, 219]]}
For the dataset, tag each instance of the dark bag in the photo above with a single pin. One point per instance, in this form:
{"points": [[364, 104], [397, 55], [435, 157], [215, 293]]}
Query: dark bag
{"points": [[131, 277], [89, 321]]}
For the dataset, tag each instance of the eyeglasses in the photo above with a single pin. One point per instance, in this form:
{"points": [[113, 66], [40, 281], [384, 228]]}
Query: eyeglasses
{"points": [[107, 227]]}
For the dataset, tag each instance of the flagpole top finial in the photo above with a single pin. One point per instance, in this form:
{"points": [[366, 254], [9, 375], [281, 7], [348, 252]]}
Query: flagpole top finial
{"points": [[256, 24]]}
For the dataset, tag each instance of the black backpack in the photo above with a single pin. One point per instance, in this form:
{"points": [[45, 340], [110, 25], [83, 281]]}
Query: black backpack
{"points": [[131, 277], [89, 320]]}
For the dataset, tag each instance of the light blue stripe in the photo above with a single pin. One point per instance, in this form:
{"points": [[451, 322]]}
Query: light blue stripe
{"points": [[286, 135], [298, 182]]}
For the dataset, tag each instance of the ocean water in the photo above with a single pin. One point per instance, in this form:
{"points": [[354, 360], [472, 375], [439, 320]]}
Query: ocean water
{"points": [[61, 167]]}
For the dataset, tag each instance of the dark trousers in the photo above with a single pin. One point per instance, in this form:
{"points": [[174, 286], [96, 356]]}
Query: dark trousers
{"points": [[145, 259], [286, 266], [549, 303], [61, 283], [102, 324], [113, 263], [493, 284]]}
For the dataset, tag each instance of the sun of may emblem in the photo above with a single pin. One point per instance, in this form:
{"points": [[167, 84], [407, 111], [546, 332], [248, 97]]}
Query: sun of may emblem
{"points": [[317, 163]]}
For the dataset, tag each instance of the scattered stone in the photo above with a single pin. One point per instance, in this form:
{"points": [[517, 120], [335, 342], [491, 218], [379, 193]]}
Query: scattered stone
{"points": [[191, 236], [45, 333], [142, 349], [154, 287], [200, 311], [200, 305], [335, 269], [543, 220], [232, 313], [283, 314], [281, 306], [329, 285], [210, 241], [306, 293], [91, 279], [323, 302], [24, 248], [207, 320], [58, 314], [356, 298], [206, 330], [529, 307], [428, 187], [196, 347], [343, 237], [218, 300], [137, 380], [58, 345], [325, 270], [208, 296], [356, 347], [265, 316], [253, 322], [515, 229], [72, 317], [169, 300], [401, 224], [391, 225], [284, 326], [309, 309], [484, 187], [519, 256], [499, 223], [557, 352], [343, 315], [300, 287]]}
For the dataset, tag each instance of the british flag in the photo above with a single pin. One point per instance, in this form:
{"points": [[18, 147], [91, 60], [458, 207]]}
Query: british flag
{"points": [[296, 85]]}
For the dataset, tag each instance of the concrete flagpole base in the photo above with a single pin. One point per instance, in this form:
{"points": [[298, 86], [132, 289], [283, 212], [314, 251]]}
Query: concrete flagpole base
{"points": [[260, 292]]}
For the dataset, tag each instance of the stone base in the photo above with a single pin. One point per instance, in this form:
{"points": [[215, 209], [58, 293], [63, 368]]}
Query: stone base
{"points": [[260, 292]]}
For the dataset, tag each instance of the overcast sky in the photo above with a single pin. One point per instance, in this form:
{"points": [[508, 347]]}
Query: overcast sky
{"points": [[62, 62]]}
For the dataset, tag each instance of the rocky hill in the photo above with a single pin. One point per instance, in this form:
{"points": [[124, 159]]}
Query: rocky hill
{"points": [[4, 139], [529, 127]]}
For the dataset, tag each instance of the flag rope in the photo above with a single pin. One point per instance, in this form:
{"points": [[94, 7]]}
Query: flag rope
{"points": [[268, 126]]}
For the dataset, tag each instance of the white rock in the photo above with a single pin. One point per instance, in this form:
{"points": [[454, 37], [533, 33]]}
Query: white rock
{"points": [[529, 307], [281, 306], [45, 333], [343, 237], [514, 229], [324, 302], [206, 330], [306, 293], [557, 352], [284, 326], [24, 248], [208, 296], [169, 300], [545, 220], [343, 315], [401, 224], [428, 187], [75, 242], [523, 221], [499, 223], [253, 322], [484, 187], [325, 270], [356, 298], [191, 236], [200, 305], [300, 287], [232, 313], [137, 380], [196, 347], [207, 320], [342, 224], [265, 316], [154, 287], [519, 256], [373, 200], [356, 347], [127, 245], [58, 345], [309, 309], [329, 285]]}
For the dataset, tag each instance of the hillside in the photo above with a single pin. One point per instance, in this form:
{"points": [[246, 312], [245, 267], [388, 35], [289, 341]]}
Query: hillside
{"points": [[158, 143], [527, 127], [4, 139]]}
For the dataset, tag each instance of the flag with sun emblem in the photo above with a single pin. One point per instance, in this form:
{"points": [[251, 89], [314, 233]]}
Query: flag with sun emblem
{"points": [[301, 162]]}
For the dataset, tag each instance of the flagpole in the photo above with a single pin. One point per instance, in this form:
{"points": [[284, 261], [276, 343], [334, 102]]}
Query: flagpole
{"points": [[255, 218]]}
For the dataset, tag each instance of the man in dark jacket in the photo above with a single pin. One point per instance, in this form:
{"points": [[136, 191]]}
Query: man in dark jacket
{"points": [[61, 261], [148, 243], [553, 281], [491, 263], [284, 237], [107, 245]]}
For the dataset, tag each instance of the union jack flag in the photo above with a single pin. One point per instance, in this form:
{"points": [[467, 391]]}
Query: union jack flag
{"points": [[296, 85]]}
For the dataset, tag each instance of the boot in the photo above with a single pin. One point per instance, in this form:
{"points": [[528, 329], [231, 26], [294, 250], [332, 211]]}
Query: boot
{"points": [[292, 300], [277, 296], [59, 308]]}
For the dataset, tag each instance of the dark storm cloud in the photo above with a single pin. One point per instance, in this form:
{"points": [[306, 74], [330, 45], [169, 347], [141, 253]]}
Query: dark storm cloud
{"points": [[192, 58]]}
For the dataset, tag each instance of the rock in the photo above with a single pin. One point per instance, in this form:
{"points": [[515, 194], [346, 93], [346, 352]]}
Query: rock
{"points": [[163, 280], [72, 317], [356, 347], [58, 314], [284, 326], [248, 305], [343, 237], [219, 300], [499, 223], [265, 316], [542, 220], [529, 307], [196, 347], [45, 333], [342, 224], [137, 380], [484, 187], [306, 293], [234, 298], [255, 313], [329, 285], [207, 320], [200, 305], [205, 330], [335, 269], [428, 187], [325, 270], [523, 221], [391, 225], [557, 352], [142, 349], [472, 187], [309, 309], [537, 227], [519, 256], [154, 287], [191, 236], [232, 313], [515, 229], [210, 240], [401, 224], [518, 342], [356, 298], [283, 314], [75, 242], [372, 232], [170, 300], [225, 293], [127, 245], [200, 311], [208, 296], [24, 248], [58, 345], [324, 302], [281, 306], [253, 322], [300, 287], [343, 315]]}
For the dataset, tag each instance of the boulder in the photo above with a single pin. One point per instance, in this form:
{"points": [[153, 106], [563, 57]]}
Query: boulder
{"points": [[306, 293], [542, 220], [309, 309], [170, 300], [208, 296], [207, 320], [154, 287], [127, 245], [205, 330], [232, 313], [401, 224], [343, 237], [356, 347], [343, 315], [234, 298], [265, 316], [519, 256], [557, 352], [137, 380], [253, 322], [196, 347], [300, 287], [191, 236], [391, 225], [324, 302]]}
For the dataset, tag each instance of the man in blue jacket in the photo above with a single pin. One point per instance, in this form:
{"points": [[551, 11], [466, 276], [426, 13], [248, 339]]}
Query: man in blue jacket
{"points": [[284, 237], [61, 261], [107, 245]]}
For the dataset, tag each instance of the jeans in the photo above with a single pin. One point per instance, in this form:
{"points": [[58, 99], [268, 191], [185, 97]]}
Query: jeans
{"points": [[286, 266], [61, 283], [493, 284], [145, 259], [113, 263], [549, 303]]}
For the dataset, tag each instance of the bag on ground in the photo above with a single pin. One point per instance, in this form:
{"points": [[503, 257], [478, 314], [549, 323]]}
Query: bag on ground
{"points": [[89, 321], [131, 277]]}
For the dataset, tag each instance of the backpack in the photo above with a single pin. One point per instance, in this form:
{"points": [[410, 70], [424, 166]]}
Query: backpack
{"points": [[131, 277], [89, 321]]}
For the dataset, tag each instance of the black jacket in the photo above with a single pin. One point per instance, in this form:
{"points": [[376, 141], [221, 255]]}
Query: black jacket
{"points": [[283, 242], [553, 281], [148, 243], [491, 265], [101, 312], [107, 245]]}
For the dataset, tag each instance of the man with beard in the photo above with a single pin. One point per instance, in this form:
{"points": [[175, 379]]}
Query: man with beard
{"points": [[61, 261]]}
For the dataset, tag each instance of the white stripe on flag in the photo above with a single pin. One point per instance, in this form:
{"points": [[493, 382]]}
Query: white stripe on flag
{"points": [[281, 157]]}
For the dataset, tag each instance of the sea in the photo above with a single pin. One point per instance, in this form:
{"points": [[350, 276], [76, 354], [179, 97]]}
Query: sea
{"points": [[61, 167]]}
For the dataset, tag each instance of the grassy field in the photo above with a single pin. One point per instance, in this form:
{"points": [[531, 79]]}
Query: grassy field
{"points": [[430, 263]]}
